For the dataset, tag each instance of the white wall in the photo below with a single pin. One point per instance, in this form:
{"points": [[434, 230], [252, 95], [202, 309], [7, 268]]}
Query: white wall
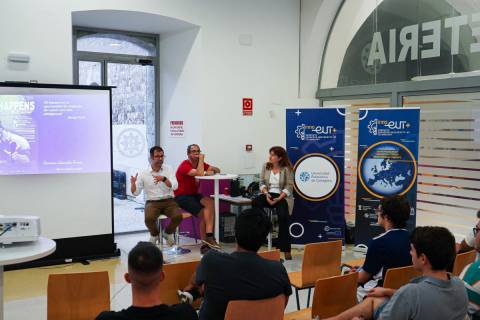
{"points": [[204, 71], [316, 19]]}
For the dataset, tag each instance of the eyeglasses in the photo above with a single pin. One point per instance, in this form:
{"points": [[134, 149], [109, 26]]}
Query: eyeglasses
{"points": [[475, 231], [195, 151]]}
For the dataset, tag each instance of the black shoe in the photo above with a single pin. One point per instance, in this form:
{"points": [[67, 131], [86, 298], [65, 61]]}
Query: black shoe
{"points": [[204, 249]]}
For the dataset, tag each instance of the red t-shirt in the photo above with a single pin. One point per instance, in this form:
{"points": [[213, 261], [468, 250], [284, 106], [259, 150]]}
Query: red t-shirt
{"points": [[187, 184]]}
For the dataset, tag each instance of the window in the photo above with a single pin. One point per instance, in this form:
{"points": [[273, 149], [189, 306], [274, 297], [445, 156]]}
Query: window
{"points": [[127, 62]]}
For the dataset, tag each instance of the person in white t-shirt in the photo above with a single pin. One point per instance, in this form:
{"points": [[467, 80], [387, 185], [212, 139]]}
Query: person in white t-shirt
{"points": [[158, 183], [468, 243]]}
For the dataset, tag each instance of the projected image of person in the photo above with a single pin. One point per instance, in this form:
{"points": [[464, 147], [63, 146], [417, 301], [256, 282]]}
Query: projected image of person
{"points": [[13, 147]]}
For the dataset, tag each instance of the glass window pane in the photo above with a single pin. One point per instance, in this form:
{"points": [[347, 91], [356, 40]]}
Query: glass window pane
{"points": [[449, 162], [351, 145], [116, 43], [133, 110], [385, 41], [90, 73]]}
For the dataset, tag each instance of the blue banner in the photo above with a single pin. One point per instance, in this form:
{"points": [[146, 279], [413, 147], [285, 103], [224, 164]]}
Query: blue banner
{"points": [[316, 147], [387, 165]]}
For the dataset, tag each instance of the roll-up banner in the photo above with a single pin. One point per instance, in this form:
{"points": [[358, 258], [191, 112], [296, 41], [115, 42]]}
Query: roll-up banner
{"points": [[316, 147], [387, 164]]}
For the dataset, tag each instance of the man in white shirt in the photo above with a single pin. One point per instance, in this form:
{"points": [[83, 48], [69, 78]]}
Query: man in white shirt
{"points": [[468, 243], [158, 183]]}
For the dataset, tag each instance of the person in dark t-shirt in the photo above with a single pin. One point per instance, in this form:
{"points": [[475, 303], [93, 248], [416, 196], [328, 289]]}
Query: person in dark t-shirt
{"points": [[243, 274], [145, 274], [391, 249]]}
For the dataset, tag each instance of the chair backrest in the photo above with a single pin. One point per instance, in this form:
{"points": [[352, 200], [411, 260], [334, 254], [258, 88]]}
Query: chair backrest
{"points": [[270, 255], [272, 309], [334, 295], [177, 276], [397, 277], [462, 260], [321, 260], [77, 296]]}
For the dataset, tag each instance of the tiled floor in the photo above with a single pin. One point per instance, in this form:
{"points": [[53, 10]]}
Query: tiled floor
{"points": [[25, 290]]}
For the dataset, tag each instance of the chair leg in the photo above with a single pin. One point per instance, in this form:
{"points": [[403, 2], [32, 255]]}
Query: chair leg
{"points": [[308, 299], [298, 299]]}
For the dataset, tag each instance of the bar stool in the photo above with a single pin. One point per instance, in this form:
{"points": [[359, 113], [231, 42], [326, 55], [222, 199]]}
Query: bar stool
{"points": [[176, 249], [270, 213]]}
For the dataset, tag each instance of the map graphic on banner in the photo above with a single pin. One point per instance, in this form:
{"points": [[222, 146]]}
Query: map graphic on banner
{"points": [[316, 147], [387, 165]]}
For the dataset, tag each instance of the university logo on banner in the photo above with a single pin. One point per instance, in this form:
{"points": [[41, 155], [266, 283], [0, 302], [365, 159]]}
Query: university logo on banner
{"points": [[387, 164], [315, 144]]}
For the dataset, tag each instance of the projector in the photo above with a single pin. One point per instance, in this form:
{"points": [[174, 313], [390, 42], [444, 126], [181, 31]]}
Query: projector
{"points": [[19, 229]]}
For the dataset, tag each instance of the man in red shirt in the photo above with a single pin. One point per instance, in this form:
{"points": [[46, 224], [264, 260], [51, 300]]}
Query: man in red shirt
{"points": [[189, 199]]}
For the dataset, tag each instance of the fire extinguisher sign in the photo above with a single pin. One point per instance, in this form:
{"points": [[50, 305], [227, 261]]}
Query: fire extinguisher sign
{"points": [[247, 106]]}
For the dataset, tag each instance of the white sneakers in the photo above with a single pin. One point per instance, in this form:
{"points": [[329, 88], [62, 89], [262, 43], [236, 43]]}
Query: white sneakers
{"points": [[168, 238]]}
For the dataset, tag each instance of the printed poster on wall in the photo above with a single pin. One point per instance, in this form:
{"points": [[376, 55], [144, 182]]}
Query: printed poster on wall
{"points": [[316, 147], [387, 165], [177, 129]]}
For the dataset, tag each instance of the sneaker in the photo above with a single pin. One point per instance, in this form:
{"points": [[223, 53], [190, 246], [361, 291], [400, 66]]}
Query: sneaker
{"points": [[211, 242], [184, 297], [169, 238], [154, 239]]}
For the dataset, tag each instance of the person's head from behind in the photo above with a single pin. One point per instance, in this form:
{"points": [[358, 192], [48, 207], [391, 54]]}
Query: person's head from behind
{"points": [[145, 267], [157, 156], [251, 229], [278, 155], [393, 210], [432, 248], [193, 152]]}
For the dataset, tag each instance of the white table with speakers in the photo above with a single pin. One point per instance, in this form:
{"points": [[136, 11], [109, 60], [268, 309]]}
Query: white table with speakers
{"points": [[216, 194], [20, 252]]}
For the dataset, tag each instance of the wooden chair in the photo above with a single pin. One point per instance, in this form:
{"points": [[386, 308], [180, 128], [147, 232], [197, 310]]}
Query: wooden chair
{"points": [[271, 309], [332, 296], [462, 260], [177, 276], [270, 255], [77, 296], [397, 277], [320, 260]]}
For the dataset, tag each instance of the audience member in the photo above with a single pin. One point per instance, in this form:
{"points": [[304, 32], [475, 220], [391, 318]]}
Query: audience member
{"points": [[471, 278], [468, 243], [435, 295], [145, 274], [243, 274], [390, 249]]}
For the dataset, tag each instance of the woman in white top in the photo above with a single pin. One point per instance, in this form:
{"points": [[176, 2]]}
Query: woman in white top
{"points": [[276, 185]]}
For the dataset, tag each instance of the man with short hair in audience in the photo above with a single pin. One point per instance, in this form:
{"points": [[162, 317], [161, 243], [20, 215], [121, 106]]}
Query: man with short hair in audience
{"points": [[145, 274], [243, 274], [391, 249], [468, 243], [471, 278], [435, 295]]}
